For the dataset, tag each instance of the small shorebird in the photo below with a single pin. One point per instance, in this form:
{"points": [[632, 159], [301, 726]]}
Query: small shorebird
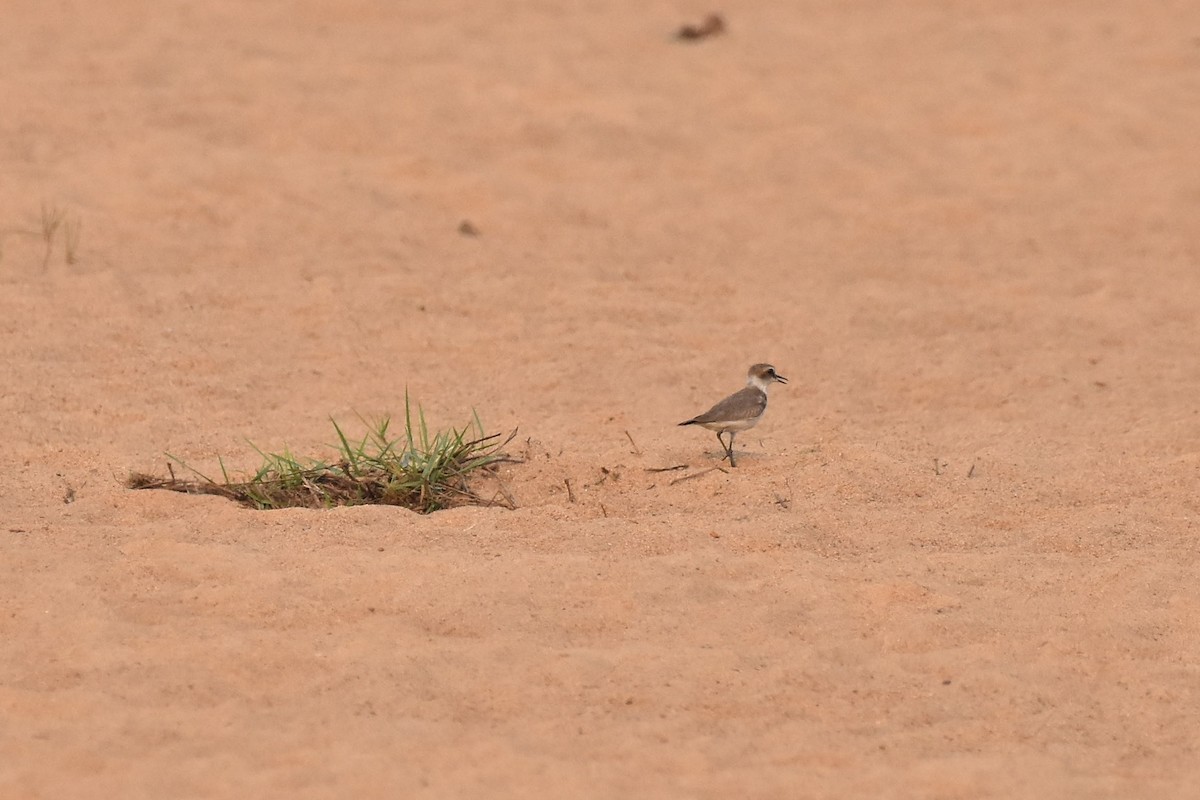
{"points": [[741, 410]]}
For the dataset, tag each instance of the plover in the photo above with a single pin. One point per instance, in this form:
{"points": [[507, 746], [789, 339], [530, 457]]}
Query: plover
{"points": [[741, 410]]}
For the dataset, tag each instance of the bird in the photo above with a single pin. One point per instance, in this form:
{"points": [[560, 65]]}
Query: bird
{"points": [[741, 410]]}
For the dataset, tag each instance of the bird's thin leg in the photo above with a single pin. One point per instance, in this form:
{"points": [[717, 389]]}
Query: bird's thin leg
{"points": [[731, 435], [724, 449]]}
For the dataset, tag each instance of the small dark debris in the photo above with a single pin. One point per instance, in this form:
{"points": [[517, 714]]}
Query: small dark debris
{"points": [[606, 474], [712, 25], [467, 228]]}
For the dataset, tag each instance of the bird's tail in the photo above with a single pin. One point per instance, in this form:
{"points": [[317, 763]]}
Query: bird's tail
{"points": [[689, 422]]}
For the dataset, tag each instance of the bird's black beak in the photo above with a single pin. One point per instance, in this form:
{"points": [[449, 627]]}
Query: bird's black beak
{"points": [[781, 379]]}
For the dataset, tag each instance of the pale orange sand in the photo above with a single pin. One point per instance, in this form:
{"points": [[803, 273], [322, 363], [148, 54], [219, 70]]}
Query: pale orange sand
{"points": [[957, 559]]}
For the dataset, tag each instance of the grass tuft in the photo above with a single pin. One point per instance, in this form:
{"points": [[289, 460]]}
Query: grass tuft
{"points": [[72, 230], [52, 218], [420, 469]]}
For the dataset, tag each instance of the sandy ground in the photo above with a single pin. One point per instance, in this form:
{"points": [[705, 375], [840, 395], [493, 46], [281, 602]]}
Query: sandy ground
{"points": [[958, 559]]}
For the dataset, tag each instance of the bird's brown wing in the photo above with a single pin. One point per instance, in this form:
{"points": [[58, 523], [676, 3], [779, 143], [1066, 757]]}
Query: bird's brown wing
{"points": [[746, 404]]}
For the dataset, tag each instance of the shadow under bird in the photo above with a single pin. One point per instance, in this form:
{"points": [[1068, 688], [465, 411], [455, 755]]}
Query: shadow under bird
{"points": [[741, 410]]}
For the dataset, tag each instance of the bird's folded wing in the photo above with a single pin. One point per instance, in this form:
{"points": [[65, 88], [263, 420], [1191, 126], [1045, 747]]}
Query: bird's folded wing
{"points": [[746, 404]]}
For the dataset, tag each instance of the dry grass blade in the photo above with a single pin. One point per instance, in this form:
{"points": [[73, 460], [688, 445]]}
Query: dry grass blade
{"points": [[419, 470], [698, 474]]}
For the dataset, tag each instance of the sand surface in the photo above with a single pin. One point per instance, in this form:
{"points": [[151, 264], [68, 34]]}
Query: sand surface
{"points": [[958, 558]]}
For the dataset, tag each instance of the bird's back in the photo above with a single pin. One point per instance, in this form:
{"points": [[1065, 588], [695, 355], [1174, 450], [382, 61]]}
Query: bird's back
{"points": [[747, 404]]}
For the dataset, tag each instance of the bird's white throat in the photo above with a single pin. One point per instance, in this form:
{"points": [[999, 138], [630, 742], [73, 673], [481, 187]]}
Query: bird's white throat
{"points": [[758, 382]]}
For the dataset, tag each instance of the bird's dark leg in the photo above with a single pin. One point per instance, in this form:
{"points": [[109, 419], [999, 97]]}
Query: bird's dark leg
{"points": [[731, 461], [724, 449]]}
